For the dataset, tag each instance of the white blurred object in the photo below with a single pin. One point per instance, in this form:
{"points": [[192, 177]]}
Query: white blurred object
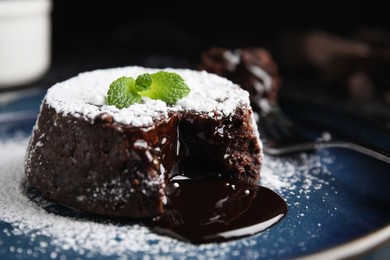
{"points": [[24, 40]]}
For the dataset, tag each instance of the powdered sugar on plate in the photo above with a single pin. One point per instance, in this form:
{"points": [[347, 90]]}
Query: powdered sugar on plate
{"points": [[301, 171], [56, 236]]}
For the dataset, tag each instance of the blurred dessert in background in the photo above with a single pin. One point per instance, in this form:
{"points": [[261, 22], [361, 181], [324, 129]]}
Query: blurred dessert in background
{"points": [[252, 68], [356, 65]]}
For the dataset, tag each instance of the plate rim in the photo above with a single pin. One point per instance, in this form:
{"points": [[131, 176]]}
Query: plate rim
{"points": [[353, 248]]}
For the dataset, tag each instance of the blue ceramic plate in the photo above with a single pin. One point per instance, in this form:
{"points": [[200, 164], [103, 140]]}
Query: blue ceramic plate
{"points": [[339, 206]]}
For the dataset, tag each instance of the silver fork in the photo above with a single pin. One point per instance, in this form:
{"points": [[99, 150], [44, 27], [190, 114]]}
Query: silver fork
{"points": [[281, 136]]}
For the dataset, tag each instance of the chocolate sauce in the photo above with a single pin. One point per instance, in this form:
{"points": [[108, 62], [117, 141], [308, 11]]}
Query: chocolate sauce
{"points": [[197, 211], [204, 211]]}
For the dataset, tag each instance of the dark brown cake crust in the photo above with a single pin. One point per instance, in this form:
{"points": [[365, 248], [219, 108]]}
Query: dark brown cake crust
{"points": [[100, 167], [107, 168]]}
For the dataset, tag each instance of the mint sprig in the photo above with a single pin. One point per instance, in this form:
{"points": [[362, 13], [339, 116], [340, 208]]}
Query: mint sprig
{"points": [[166, 86], [143, 82], [122, 93]]}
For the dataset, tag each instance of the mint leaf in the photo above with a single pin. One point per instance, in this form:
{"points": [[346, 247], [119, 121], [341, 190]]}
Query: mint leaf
{"points": [[167, 86], [122, 93], [143, 82]]}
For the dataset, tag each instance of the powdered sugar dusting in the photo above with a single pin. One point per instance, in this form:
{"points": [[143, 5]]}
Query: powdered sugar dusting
{"points": [[56, 236], [85, 95], [303, 171], [301, 180]]}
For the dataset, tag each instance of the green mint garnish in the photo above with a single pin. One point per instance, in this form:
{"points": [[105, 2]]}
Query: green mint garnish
{"points": [[122, 93], [143, 82], [166, 86]]}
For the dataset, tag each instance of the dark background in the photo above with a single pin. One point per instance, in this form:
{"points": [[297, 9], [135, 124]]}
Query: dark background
{"points": [[88, 35], [114, 33]]}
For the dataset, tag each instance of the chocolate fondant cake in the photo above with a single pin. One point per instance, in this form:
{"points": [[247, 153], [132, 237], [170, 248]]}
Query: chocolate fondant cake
{"points": [[104, 160]]}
